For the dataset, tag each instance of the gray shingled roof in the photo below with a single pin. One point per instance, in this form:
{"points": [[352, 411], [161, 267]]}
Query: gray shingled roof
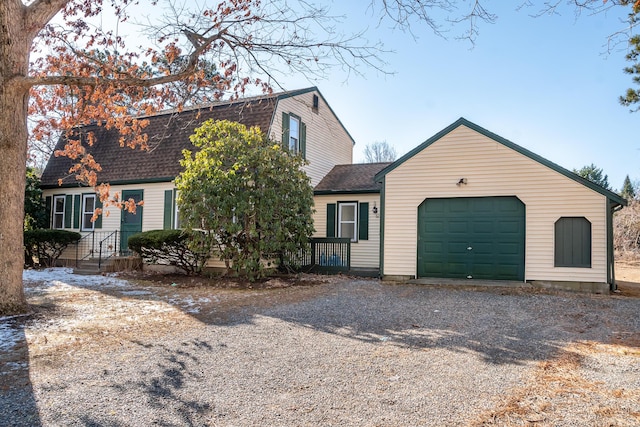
{"points": [[356, 178], [168, 136]]}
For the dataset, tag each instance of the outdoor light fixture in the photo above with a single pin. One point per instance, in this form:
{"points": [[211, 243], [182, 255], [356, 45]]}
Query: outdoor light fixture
{"points": [[375, 209], [461, 182]]}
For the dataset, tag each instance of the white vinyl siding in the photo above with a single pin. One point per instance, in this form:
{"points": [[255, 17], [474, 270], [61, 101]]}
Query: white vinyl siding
{"points": [[327, 143], [364, 253], [152, 218], [491, 169]]}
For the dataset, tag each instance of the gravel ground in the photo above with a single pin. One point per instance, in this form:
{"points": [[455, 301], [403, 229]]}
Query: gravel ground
{"points": [[104, 352]]}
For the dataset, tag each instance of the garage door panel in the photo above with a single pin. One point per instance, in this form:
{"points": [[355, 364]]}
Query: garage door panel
{"points": [[482, 238]]}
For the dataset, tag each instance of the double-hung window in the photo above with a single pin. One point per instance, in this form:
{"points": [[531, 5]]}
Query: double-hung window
{"points": [[88, 207], [347, 220], [58, 211], [294, 134]]}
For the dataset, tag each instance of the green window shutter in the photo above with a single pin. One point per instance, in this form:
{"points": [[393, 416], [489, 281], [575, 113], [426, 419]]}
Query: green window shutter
{"points": [[363, 223], [167, 223], [303, 140], [98, 222], [68, 200], [331, 220], [285, 130], [76, 211], [48, 201]]}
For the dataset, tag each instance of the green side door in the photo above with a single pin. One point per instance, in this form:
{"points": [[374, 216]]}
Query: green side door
{"points": [[472, 238], [130, 223]]}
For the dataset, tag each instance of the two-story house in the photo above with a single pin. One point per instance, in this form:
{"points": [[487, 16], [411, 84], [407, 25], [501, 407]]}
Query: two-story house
{"points": [[465, 204], [301, 119]]}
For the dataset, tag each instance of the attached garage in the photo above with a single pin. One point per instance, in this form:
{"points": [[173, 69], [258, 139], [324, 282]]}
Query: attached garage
{"points": [[471, 238], [469, 204]]}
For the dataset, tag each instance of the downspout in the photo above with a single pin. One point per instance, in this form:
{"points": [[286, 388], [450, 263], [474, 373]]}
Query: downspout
{"points": [[611, 276], [382, 217]]}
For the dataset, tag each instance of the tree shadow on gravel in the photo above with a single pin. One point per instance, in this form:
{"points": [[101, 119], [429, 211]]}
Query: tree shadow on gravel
{"points": [[502, 326], [17, 400], [164, 386]]}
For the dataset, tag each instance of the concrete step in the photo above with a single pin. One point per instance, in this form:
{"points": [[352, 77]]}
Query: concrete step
{"points": [[90, 266]]}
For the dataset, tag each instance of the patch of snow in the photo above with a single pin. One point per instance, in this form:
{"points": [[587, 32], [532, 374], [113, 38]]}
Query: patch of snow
{"points": [[9, 337], [63, 277], [189, 304], [134, 292]]}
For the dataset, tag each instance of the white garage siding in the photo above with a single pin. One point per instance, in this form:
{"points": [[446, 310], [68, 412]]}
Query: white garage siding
{"points": [[490, 169]]}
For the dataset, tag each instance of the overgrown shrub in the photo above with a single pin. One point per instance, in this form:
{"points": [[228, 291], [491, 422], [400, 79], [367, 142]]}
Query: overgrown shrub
{"points": [[46, 245], [626, 231], [184, 249]]}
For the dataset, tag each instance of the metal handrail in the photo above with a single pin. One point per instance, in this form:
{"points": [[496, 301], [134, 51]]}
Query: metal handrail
{"points": [[78, 243], [100, 245]]}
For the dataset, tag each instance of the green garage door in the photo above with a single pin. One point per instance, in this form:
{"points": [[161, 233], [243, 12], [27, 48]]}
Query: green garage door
{"points": [[472, 238]]}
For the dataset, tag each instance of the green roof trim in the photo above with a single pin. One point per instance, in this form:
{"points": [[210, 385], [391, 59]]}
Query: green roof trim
{"points": [[330, 192], [292, 93], [120, 182], [533, 156]]}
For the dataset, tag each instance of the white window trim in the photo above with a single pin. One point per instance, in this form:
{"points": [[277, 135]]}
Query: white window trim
{"points": [[55, 213], [176, 211], [296, 146], [83, 227], [354, 222]]}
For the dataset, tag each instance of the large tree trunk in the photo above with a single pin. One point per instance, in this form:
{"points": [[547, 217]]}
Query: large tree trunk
{"points": [[14, 59]]}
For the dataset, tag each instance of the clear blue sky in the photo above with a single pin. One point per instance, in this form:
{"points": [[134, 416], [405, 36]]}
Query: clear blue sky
{"points": [[544, 83]]}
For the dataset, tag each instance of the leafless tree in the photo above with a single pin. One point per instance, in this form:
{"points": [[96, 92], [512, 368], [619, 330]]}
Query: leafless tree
{"points": [[378, 152]]}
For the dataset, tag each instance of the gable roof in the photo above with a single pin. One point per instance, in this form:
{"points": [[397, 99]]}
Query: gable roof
{"points": [[168, 133], [355, 178], [464, 122]]}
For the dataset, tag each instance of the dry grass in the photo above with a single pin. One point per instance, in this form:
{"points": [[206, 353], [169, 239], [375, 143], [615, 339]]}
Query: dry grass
{"points": [[558, 387]]}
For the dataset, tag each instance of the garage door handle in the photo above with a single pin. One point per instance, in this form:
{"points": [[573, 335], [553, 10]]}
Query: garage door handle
{"points": [[469, 248]]}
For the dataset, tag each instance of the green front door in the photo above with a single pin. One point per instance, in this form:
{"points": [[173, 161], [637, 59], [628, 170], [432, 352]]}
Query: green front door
{"points": [[130, 223], [472, 238]]}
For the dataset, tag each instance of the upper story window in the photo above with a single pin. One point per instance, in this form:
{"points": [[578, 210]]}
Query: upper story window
{"points": [[294, 134], [58, 211], [88, 207]]}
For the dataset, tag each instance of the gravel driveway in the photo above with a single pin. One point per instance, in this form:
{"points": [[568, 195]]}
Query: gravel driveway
{"points": [[104, 352]]}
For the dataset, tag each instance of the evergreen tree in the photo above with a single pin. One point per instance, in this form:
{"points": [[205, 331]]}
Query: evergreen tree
{"points": [[595, 175], [35, 214], [628, 192]]}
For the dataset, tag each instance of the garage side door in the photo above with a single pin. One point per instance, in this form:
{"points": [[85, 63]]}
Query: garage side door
{"points": [[472, 238]]}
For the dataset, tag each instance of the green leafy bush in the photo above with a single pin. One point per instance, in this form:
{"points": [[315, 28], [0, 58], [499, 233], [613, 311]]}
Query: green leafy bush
{"points": [[46, 245], [250, 193], [187, 250]]}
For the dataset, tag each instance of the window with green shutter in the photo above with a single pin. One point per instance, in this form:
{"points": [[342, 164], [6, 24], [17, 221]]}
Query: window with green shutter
{"points": [[331, 220], [68, 206], [294, 134], [167, 222], [363, 224], [48, 203], [76, 211]]}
